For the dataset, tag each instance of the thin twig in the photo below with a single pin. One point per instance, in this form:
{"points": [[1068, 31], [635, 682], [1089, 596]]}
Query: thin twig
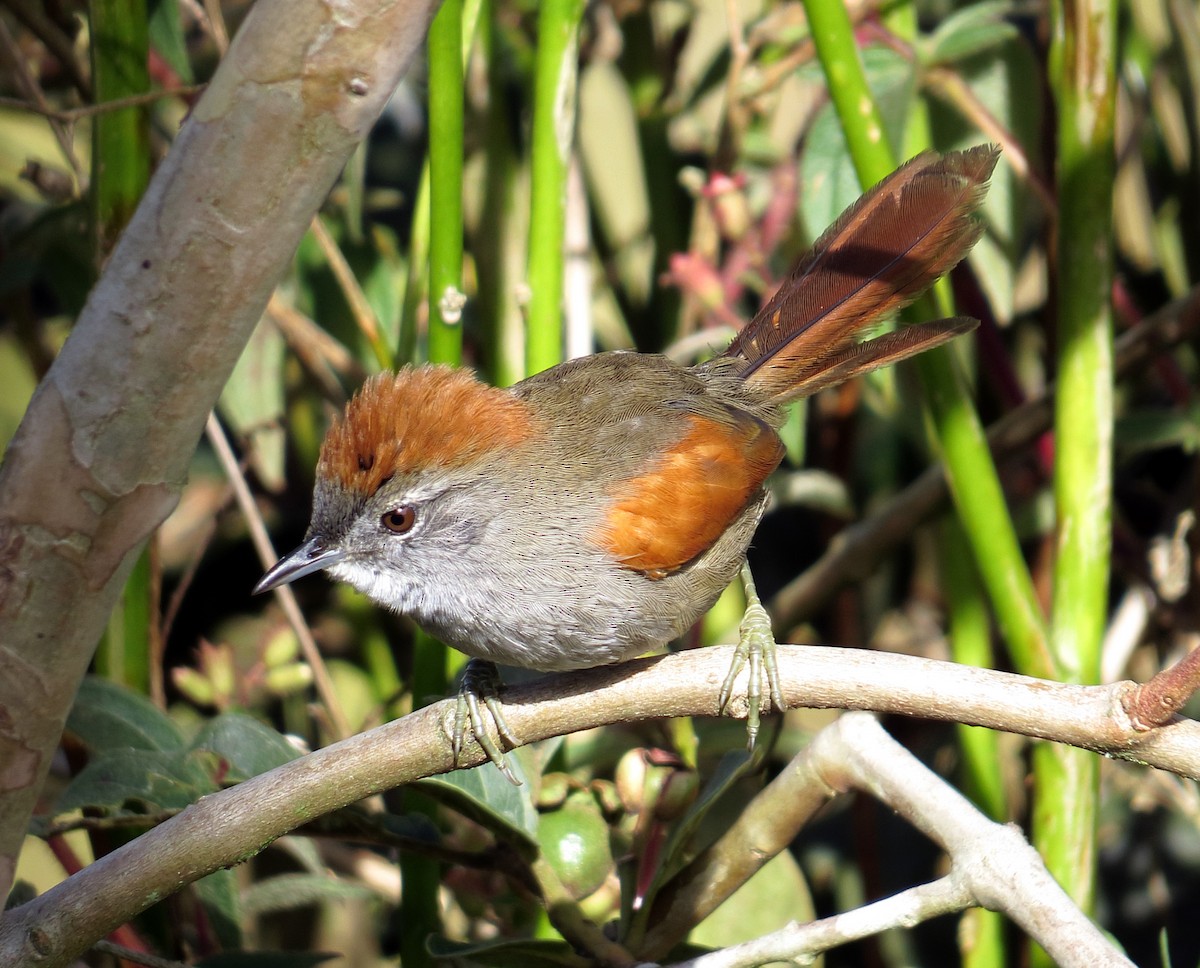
{"points": [[33, 16], [317, 351], [266, 553], [360, 306], [214, 21], [1154, 703], [799, 942], [951, 88], [72, 115], [63, 131], [120, 821], [138, 957], [736, 115]]}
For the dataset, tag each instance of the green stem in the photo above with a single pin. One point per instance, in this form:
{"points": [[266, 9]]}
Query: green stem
{"points": [[445, 184], [846, 82], [983, 774], [417, 284], [970, 644], [499, 254], [419, 914], [1083, 77], [120, 139], [120, 173], [553, 135], [978, 496]]}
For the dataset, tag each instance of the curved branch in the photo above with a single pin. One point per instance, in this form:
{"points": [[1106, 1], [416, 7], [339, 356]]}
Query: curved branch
{"points": [[233, 825], [992, 864]]}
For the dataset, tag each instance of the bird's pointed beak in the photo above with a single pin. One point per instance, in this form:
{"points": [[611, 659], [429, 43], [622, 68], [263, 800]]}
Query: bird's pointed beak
{"points": [[314, 555]]}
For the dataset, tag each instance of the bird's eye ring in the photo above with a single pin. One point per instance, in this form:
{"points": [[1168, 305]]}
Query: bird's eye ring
{"points": [[400, 520]]}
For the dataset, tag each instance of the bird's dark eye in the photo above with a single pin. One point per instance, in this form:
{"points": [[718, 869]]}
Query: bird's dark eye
{"points": [[400, 520]]}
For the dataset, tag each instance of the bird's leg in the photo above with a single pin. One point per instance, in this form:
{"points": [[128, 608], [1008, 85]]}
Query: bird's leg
{"points": [[756, 645], [481, 680]]}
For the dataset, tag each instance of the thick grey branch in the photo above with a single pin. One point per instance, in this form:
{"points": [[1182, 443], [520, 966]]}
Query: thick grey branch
{"points": [[104, 447]]}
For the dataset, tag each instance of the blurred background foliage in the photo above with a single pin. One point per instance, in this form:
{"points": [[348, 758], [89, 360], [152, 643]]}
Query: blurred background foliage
{"points": [[707, 155]]}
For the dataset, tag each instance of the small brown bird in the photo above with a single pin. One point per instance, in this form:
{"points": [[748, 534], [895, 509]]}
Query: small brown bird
{"points": [[596, 510]]}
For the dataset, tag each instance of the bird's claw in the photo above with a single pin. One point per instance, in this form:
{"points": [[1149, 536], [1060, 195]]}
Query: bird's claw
{"points": [[756, 646], [482, 681]]}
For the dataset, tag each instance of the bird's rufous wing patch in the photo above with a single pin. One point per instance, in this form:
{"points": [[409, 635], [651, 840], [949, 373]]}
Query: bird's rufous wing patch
{"points": [[677, 510]]}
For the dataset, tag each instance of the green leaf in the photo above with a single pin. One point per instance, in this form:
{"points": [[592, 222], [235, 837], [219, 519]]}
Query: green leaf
{"points": [[612, 160], [503, 954], [289, 891], [108, 717], [138, 779], [828, 182], [253, 400], [355, 691], [166, 37], [484, 795], [219, 894], [383, 274], [1145, 430], [969, 31], [247, 746]]}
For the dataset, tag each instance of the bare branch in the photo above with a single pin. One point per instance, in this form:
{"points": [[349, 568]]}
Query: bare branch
{"points": [[802, 941], [232, 825], [993, 864]]}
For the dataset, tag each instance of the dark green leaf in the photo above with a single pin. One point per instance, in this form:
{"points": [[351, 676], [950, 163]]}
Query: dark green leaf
{"points": [[485, 796], [247, 746], [109, 717], [289, 891], [139, 779], [219, 894], [1146, 430], [503, 954]]}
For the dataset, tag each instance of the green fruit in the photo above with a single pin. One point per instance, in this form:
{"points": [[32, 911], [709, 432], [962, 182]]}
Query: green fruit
{"points": [[574, 842]]}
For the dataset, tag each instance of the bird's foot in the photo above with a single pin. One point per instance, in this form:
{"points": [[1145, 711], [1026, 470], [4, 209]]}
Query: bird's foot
{"points": [[756, 646], [481, 683]]}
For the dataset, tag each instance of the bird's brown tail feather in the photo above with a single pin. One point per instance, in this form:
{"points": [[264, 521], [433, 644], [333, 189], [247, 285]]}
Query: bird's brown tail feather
{"points": [[879, 255]]}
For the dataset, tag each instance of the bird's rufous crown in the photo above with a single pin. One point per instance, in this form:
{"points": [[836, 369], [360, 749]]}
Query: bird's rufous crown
{"points": [[428, 416]]}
